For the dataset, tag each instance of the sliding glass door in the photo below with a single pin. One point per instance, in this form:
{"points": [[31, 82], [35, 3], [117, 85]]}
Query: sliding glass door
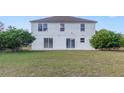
{"points": [[70, 43], [48, 42]]}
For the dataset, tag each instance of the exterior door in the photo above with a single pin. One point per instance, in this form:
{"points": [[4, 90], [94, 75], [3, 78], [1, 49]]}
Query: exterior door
{"points": [[70, 43], [48, 42]]}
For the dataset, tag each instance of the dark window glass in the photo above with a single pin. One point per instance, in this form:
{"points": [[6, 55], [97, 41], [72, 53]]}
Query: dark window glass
{"points": [[48, 42], [82, 40], [82, 28], [70, 43], [40, 27], [62, 27], [45, 42], [67, 43], [45, 27]]}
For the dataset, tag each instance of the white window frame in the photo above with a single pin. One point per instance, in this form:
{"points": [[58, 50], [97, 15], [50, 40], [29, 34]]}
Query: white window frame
{"points": [[62, 29], [82, 41], [48, 43], [44, 27], [82, 28]]}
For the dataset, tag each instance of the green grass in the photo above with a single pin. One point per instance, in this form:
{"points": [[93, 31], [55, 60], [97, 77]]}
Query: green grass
{"points": [[62, 63]]}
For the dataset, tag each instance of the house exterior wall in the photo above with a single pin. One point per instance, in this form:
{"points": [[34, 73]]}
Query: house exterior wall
{"points": [[72, 30]]}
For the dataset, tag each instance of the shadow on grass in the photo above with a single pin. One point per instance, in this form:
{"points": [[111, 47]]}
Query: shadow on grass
{"points": [[32, 51], [22, 51], [117, 50]]}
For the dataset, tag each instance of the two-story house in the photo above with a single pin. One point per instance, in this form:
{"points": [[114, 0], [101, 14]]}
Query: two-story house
{"points": [[62, 33]]}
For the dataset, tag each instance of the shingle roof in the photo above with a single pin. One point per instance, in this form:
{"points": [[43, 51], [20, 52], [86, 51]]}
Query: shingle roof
{"points": [[70, 19]]}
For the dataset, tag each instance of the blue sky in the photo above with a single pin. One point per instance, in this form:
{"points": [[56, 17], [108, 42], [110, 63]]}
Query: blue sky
{"points": [[114, 23]]}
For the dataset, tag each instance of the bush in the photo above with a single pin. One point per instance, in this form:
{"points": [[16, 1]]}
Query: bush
{"points": [[2, 40], [15, 39], [105, 39], [1, 26], [122, 41]]}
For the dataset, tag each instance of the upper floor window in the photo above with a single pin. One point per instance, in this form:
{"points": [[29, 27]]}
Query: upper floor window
{"points": [[45, 27], [42, 27], [82, 27], [39, 27], [62, 27]]}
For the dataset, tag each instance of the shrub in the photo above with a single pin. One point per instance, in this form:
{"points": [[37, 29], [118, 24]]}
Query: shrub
{"points": [[1, 26], [105, 39], [122, 41], [2, 40], [15, 39]]}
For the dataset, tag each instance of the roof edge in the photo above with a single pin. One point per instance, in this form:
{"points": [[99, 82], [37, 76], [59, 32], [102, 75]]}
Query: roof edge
{"points": [[40, 20]]}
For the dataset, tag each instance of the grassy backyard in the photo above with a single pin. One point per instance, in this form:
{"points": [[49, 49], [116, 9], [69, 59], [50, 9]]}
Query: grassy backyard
{"points": [[62, 63]]}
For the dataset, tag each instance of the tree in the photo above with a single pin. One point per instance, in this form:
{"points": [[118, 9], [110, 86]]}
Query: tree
{"points": [[17, 38], [14, 39], [122, 41], [1, 26], [2, 40], [105, 39]]}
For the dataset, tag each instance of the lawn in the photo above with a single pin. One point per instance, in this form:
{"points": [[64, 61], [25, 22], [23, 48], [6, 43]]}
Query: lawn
{"points": [[62, 63]]}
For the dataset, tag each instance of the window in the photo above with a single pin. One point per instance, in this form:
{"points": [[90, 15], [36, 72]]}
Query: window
{"points": [[82, 40], [67, 43], [70, 43], [73, 43], [45, 27], [45, 42], [48, 42], [82, 27], [39, 27], [62, 27], [42, 27]]}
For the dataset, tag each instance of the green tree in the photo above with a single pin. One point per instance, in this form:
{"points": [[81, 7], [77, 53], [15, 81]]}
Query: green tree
{"points": [[1, 26], [3, 40], [105, 39], [122, 41], [17, 38]]}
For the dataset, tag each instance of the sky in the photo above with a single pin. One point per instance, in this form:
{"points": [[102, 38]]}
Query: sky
{"points": [[114, 23]]}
